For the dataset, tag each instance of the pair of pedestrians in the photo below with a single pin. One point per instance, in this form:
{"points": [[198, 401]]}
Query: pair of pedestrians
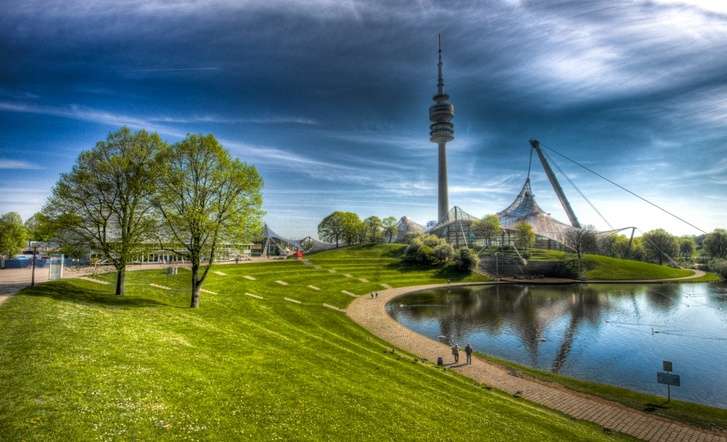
{"points": [[467, 351], [374, 295]]}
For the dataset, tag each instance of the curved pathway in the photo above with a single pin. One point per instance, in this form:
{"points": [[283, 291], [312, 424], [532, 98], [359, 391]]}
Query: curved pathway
{"points": [[371, 314]]}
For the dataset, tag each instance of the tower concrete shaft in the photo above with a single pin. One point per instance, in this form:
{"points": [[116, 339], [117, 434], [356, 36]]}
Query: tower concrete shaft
{"points": [[441, 131], [443, 188]]}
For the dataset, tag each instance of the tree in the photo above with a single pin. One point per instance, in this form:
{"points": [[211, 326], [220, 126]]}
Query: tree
{"points": [[206, 198], [390, 230], [105, 201], [581, 240], [373, 227], [40, 227], [715, 243], [659, 245], [331, 228], [488, 228], [687, 245], [524, 236], [13, 234], [352, 228]]}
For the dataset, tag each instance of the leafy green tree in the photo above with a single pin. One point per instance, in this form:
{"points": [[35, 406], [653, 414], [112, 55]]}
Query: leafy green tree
{"points": [[105, 201], [715, 243], [40, 227], [13, 234], [374, 228], [331, 228], [659, 245], [206, 198], [390, 230], [581, 240], [687, 246], [428, 250], [352, 228], [488, 228], [524, 236]]}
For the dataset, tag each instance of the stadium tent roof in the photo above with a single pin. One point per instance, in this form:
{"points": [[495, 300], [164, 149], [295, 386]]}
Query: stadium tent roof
{"points": [[525, 209], [405, 227], [308, 243]]}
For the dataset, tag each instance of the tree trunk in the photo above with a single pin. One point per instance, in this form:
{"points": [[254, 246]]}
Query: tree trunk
{"points": [[120, 275], [195, 287]]}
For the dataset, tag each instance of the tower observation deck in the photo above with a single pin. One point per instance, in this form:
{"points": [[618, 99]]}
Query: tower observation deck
{"points": [[441, 131]]}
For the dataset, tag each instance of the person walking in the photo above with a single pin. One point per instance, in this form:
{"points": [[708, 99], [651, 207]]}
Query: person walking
{"points": [[468, 352], [455, 352]]}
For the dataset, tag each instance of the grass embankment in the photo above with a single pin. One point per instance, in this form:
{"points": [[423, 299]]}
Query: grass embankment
{"points": [[600, 267], [691, 413], [76, 362]]}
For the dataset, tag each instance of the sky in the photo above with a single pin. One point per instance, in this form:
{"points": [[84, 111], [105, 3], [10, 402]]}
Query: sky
{"points": [[329, 99]]}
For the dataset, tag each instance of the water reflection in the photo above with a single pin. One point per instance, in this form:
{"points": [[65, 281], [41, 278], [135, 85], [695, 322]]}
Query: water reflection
{"points": [[609, 333]]}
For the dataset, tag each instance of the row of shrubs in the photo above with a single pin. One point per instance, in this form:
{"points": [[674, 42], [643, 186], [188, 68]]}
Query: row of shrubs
{"points": [[432, 251], [718, 266]]}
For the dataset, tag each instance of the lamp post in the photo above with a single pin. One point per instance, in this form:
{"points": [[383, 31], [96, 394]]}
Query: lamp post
{"points": [[32, 274]]}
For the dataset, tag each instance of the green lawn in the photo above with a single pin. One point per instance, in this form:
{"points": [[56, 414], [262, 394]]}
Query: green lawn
{"points": [[607, 268], [78, 363]]}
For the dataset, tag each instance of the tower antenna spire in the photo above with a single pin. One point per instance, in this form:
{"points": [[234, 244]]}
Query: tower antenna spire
{"points": [[440, 79]]}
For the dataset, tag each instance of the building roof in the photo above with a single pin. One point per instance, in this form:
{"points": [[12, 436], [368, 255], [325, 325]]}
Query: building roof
{"points": [[525, 209]]}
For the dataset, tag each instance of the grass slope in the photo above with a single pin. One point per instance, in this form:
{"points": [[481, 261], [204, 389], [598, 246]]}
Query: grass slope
{"points": [[599, 267], [78, 363]]}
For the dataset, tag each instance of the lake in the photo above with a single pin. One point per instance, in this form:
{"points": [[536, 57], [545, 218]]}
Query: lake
{"points": [[606, 333]]}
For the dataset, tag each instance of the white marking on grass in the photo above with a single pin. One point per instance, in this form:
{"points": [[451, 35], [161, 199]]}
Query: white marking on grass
{"points": [[163, 287], [281, 282], [363, 279], [217, 272], [251, 278], [348, 275], [254, 296], [331, 270], [208, 291], [346, 292], [333, 308], [317, 267], [94, 280], [312, 287], [386, 286], [295, 301]]}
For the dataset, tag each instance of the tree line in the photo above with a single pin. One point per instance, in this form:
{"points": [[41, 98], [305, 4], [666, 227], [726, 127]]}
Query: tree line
{"points": [[133, 189], [347, 228]]}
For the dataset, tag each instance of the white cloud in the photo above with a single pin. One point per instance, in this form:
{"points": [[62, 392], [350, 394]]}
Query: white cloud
{"points": [[18, 165]]}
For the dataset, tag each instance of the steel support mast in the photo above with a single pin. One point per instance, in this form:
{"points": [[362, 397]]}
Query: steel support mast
{"points": [[556, 185]]}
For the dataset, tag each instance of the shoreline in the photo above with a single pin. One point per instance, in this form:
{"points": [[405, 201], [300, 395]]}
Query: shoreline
{"points": [[371, 314]]}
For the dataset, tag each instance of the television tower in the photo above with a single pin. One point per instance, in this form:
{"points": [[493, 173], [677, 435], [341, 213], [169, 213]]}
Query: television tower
{"points": [[441, 131]]}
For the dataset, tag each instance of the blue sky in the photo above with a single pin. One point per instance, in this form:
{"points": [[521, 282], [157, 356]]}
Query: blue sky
{"points": [[329, 99]]}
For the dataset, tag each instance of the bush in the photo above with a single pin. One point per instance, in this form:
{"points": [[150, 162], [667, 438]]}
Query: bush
{"points": [[428, 250], [466, 260], [719, 266]]}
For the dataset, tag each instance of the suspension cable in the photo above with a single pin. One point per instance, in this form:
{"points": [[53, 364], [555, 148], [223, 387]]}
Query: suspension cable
{"points": [[530, 162], [550, 159], [624, 188]]}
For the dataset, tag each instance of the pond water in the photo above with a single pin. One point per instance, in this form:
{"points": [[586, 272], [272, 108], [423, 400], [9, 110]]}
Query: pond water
{"points": [[613, 334]]}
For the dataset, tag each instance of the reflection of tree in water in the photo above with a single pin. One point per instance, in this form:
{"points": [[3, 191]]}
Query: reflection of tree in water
{"points": [[663, 297], [529, 311]]}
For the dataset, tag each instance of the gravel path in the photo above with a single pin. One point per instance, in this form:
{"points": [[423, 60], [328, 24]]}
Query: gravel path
{"points": [[371, 314]]}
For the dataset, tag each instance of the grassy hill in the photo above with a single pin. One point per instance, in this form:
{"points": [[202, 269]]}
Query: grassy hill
{"points": [[606, 268], [76, 362]]}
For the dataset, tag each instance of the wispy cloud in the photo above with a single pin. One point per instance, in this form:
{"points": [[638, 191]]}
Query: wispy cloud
{"points": [[18, 165]]}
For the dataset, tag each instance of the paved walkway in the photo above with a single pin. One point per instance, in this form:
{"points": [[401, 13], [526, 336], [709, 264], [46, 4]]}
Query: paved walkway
{"points": [[371, 314]]}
